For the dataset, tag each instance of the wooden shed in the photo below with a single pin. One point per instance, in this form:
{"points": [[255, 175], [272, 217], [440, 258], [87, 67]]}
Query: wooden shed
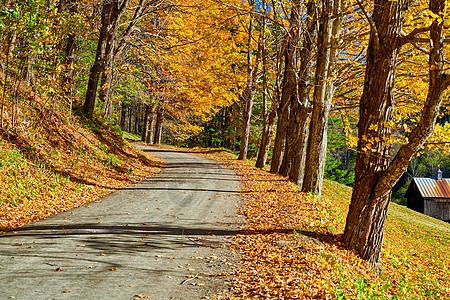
{"points": [[430, 197]]}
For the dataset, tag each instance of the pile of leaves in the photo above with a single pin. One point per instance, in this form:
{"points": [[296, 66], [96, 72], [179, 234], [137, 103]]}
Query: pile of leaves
{"points": [[56, 161], [291, 245]]}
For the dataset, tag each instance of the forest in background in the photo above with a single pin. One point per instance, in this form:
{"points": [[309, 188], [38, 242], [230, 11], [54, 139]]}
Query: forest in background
{"points": [[361, 82]]}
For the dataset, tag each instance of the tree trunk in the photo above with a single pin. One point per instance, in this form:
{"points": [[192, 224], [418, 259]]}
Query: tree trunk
{"points": [[248, 97], [375, 173], [151, 126], [301, 111], [269, 125], [67, 73], [146, 123], [329, 32], [289, 87], [158, 125], [104, 94], [111, 12], [249, 93], [268, 118], [123, 115], [9, 50], [130, 117]]}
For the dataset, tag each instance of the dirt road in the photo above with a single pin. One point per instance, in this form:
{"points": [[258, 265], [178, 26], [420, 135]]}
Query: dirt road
{"points": [[161, 239]]}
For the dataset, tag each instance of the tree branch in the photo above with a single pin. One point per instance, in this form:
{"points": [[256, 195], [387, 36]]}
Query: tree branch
{"points": [[372, 25], [411, 37], [446, 80]]}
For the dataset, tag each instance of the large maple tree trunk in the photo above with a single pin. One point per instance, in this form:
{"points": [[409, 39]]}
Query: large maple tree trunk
{"points": [[329, 32], [301, 109], [289, 86], [375, 172]]}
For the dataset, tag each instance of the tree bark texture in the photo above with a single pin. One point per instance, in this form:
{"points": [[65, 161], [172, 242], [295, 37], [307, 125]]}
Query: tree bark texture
{"points": [[301, 110], [123, 115], [111, 12], [270, 117], [375, 172], [9, 51], [158, 125], [114, 48], [289, 86], [269, 126], [145, 127], [329, 32], [249, 92], [67, 74], [151, 124]]}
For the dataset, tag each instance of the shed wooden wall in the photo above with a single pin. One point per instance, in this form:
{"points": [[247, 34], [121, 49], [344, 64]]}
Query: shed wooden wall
{"points": [[437, 208], [414, 199]]}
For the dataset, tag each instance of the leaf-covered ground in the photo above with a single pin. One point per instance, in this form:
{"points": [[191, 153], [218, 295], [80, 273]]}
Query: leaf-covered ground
{"points": [[291, 244], [292, 248], [56, 162]]}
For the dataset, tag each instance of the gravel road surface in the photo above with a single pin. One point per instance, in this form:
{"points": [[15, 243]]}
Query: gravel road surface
{"points": [[162, 238]]}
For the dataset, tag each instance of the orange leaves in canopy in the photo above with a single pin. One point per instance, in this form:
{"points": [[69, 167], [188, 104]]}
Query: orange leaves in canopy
{"points": [[205, 59]]}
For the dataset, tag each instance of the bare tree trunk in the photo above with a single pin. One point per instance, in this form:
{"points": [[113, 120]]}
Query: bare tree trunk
{"points": [[329, 32], [375, 173]]}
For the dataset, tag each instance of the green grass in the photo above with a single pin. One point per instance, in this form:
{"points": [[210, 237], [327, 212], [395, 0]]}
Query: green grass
{"points": [[130, 136], [415, 258]]}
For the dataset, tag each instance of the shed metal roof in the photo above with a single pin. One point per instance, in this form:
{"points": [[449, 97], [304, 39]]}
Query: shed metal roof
{"points": [[433, 188]]}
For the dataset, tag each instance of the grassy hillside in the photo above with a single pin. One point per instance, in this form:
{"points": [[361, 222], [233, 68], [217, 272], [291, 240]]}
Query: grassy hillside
{"points": [[54, 161], [292, 246], [415, 256]]}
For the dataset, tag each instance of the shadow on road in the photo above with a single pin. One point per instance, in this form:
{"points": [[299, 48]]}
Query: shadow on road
{"points": [[56, 231]]}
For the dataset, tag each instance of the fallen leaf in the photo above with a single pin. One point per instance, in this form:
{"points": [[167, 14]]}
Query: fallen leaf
{"points": [[198, 284], [140, 296]]}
